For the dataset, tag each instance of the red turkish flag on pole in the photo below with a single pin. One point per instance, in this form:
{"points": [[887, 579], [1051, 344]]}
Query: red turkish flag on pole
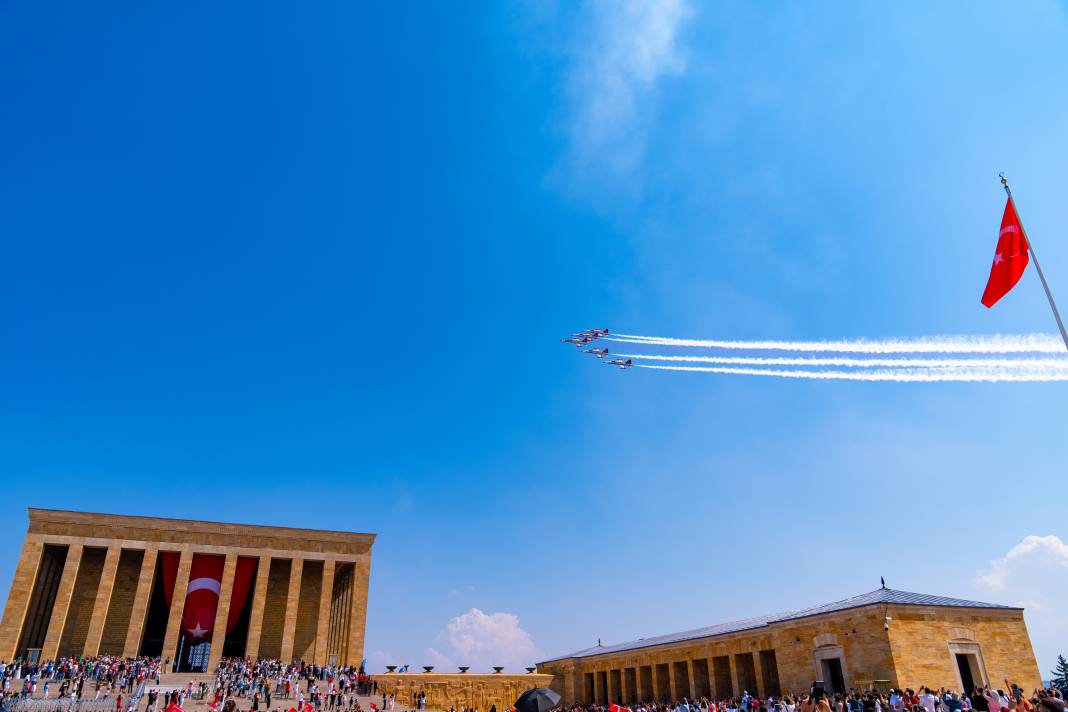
{"points": [[1010, 261], [1010, 257]]}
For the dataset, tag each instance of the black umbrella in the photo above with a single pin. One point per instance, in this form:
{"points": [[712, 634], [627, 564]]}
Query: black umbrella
{"points": [[540, 699]]}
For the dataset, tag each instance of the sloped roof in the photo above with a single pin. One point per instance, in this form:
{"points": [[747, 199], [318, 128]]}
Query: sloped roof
{"points": [[880, 596]]}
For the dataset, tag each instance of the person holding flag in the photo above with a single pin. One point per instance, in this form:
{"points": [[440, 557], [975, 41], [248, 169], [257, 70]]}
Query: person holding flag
{"points": [[173, 705]]}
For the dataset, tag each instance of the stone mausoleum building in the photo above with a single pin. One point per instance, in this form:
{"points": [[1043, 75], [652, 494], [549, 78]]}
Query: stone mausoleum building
{"points": [[881, 639], [190, 592]]}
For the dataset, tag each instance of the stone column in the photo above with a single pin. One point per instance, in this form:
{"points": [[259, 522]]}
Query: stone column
{"points": [[18, 600], [671, 682], [174, 616], [613, 691], [222, 612], [322, 626], [735, 686], [656, 682], [50, 649], [570, 685], [289, 628], [358, 611], [259, 600], [639, 694], [758, 673], [690, 679], [103, 601], [142, 596]]}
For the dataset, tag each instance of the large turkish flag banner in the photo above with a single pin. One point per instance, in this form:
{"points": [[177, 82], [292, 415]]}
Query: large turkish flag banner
{"points": [[202, 596], [243, 575], [1010, 257]]}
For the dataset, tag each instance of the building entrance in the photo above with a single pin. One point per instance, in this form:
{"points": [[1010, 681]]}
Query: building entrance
{"points": [[195, 656], [833, 678], [966, 679]]}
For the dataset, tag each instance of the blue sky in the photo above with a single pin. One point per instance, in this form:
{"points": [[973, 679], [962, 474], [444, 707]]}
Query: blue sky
{"points": [[309, 265]]}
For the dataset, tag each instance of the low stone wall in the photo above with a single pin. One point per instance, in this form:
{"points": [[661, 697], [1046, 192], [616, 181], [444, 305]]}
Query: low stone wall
{"points": [[455, 690]]}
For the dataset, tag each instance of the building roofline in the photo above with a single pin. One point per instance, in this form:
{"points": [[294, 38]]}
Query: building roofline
{"points": [[746, 625], [37, 514]]}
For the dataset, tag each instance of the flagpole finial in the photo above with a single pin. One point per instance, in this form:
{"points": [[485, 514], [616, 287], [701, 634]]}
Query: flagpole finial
{"points": [[1005, 183]]}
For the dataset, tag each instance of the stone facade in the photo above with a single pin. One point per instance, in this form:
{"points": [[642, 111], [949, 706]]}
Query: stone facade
{"points": [[88, 583], [999, 642], [470, 690], [882, 642]]}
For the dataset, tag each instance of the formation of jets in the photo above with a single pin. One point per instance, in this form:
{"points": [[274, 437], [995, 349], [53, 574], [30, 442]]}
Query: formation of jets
{"points": [[585, 338]]}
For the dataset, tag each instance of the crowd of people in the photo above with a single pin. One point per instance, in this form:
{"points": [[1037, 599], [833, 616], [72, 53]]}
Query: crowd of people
{"points": [[984, 699], [260, 686], [304, 688], [91, 678], [273, 686]]}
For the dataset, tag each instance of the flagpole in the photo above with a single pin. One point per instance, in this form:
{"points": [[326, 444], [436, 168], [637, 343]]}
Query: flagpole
{"points": [[1034, 258]]}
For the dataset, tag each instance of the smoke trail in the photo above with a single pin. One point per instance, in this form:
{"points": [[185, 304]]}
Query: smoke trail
{"points": [[904, 375], [1007, 363], [997, 344]]}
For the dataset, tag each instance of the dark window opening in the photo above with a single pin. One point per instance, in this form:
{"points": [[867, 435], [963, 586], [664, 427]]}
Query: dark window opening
{"points": [[42, 600], [769, 668], [156, 618]]}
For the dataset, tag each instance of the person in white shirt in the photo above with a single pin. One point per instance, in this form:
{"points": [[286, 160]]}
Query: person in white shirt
{"points": [[928, 700]]}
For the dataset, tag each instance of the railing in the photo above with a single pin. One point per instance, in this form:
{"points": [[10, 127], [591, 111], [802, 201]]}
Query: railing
{"points": [[25, 703], [58, 704], [135, 699]]}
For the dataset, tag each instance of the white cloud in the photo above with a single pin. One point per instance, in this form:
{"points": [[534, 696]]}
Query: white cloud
{"points": [[439, 659], [1034, 575], [626, 46], [1049, 550], [482, 640]]}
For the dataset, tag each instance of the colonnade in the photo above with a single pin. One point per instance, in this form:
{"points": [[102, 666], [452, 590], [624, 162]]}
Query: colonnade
{"points": [[716, 677], [90, 595]]}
